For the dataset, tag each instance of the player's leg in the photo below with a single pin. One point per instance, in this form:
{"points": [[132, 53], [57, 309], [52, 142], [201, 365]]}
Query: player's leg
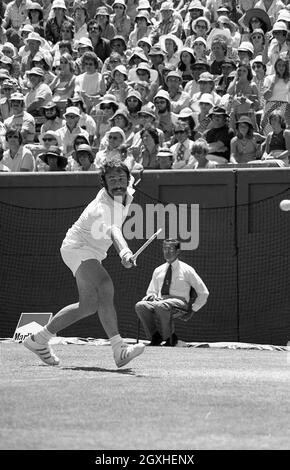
{"points": [[96, 292], [145, 310], [39, 342], [123, 353]]}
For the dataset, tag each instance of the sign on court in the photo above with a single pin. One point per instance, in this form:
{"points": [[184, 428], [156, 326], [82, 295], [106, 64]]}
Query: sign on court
{"points": [[30, 323]]}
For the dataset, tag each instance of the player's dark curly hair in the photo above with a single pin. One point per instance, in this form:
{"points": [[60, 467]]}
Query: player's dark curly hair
{"points": [[112, 164]]}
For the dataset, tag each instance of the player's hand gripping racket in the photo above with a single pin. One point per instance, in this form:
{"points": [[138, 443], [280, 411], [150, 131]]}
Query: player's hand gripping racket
{"points": [[147, 243]]}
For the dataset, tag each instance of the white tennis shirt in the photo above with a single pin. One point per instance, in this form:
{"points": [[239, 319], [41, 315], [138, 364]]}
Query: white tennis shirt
{"points": [[90, 231]]}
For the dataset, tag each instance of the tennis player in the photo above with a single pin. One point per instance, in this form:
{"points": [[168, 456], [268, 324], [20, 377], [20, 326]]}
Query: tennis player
{"points": [[83, 249]]}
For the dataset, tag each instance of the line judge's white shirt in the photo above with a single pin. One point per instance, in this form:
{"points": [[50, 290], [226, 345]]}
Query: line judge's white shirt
{"points": [[183, 278], [98, 216]]}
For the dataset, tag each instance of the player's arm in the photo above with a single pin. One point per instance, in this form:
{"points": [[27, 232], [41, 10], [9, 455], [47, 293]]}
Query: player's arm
{"points": [[121, 246]]}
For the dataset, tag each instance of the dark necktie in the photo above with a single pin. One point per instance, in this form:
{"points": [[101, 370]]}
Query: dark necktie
{"points": [[180, 153], [167, 281]]}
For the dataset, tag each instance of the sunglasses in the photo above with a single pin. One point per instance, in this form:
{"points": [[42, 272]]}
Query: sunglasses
{"points": [[179, 132], [106, 107], [257, 66], [113, 137], [48, 139], [71, 116]]}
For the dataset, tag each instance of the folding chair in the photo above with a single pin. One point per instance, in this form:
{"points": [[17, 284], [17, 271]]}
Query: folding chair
{"points": [[183, 314]]}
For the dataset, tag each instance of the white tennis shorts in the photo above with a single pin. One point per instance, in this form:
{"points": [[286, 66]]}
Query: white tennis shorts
{"points": [[73, 257]]}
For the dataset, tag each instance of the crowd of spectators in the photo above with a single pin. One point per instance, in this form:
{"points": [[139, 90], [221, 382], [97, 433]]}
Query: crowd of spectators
{"points": [[162, 84]]}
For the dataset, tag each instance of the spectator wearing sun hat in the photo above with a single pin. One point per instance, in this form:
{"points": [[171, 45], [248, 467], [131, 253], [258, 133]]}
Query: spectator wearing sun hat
{"points": [[120, 20], [33, 42], [86, 121], [101, 113], [121, 119], [71, 129], [53, 159], [206, 85], [8, 87], [244, 146], [202, 118], [115, 138], [146, 74], [182, 156], [201, 27], [54, 23], [135, 59], [278, 46], [165, 117], [172, 45], [143, 28], [192, 87], [83, 45], [103, 17], [119, 44], [38, 95], [52, 119], [165, 158], [45, 140], [147, 117], [171, 22], [179, 99], [260, 73], [93, 5], [219, 136], [19, 118], [35, 15], [85, 158], [119, 87], [273, 10], [133, 103]]}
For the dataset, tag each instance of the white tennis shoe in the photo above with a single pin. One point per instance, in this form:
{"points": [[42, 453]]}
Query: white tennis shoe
{"points": [[125, 353], [43, 351]]}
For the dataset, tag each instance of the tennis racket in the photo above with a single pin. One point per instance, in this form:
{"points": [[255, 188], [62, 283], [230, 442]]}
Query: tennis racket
{"points": [[144, 246]]}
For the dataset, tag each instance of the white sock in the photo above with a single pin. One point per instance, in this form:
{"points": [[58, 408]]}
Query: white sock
{"points": [[43, 336], [116, 341]]}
